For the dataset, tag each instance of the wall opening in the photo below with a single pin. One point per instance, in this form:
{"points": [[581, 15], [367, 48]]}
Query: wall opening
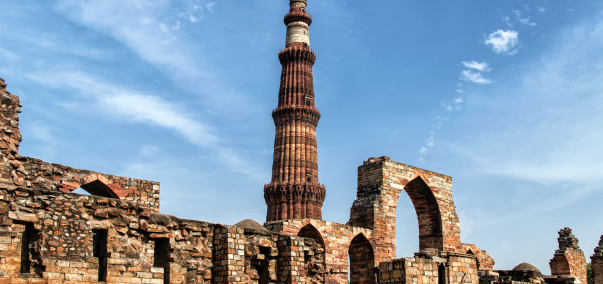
{"points": [[162, 257], [428, 214], [28, 236], [99, 250], [81, 191], [407, 227], [314, 260], [262, 267], [97, 188], [362, 261], [442, 279]]}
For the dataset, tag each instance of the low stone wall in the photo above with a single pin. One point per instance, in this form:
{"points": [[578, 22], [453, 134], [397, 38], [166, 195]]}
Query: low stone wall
{"points": [[426, 268]]}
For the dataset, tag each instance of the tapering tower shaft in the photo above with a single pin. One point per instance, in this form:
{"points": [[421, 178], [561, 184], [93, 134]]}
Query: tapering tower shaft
{"points": [[294, 191]]}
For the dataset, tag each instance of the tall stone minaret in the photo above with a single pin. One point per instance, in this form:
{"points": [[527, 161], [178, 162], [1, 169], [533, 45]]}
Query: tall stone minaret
{"points": [[294, 191]]}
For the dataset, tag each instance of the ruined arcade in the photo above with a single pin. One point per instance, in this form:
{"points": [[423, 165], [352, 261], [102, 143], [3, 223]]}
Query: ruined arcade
{"points": [[118, 235]]}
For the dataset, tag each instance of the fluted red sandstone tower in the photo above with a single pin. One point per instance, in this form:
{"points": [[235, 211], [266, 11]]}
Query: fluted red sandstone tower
{"points": [[294, 191]]}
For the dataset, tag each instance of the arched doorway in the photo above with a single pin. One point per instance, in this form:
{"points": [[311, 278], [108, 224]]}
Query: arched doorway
{"points": [[428, 214], [362, 261], [314, 259], [407, 227]]}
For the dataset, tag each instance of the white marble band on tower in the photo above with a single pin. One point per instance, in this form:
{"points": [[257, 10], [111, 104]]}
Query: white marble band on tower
{"points": [[298, 32]]}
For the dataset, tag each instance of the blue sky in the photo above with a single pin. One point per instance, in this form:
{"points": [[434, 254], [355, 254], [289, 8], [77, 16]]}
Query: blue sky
{"points": [[505, 96]]}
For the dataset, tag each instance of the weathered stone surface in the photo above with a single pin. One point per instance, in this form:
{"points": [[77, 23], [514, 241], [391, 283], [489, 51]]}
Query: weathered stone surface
{"points": [[597, 263], [569, 259]]}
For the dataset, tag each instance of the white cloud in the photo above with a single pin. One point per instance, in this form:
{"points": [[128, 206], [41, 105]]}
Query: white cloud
{"points": [[146, 28], [526, 21], [541, 9], [551, 132], [423, 150], [477, 77], [429, 141], [133, 106], [503, 42], [458, 100], [209, 6], [476, 65]]}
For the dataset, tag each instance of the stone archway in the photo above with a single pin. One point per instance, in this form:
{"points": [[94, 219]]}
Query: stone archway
{"points": [[362, 261], [428, 214], [98, 185], [380, 183], [314, 259]]}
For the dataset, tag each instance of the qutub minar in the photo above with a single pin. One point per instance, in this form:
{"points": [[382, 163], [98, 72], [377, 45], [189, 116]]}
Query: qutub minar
{"points": [[294, 191], [116, 234]]}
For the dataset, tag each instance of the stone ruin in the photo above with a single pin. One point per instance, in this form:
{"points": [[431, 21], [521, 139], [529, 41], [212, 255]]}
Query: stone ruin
{"points": [[117, 235]]}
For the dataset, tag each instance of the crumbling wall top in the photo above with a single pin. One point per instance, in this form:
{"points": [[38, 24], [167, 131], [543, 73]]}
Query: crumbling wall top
{"points": [[567, 240], [19, 172]]}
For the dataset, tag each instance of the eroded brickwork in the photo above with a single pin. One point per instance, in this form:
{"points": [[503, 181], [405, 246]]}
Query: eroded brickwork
{"points": [[596, 261], [429, 268], [336, 238], [569, 259], [484, 261], [380, 183]]}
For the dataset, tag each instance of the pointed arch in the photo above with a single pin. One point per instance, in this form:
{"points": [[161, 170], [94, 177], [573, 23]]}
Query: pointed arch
{"points": [[428, 213], [314, 259], [309, 231], [362, 261], [98, 185]]}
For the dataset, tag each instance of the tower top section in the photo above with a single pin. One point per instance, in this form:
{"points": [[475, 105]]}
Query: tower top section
{"points": [[298, 23]]}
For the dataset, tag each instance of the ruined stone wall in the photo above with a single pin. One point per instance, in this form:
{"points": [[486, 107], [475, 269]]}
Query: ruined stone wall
{"points": [[484, 261], [430, 269], [569, 259], [380, 183], [23, 172], [140, 246], [597, 264], [262, 257], [61, 241], [336, 238]]}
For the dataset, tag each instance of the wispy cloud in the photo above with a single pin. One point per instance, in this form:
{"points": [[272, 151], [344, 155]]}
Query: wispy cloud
{"points": [[132, 106], [153, 31], [555, 112], [541, 9], [526, 21], [429, 143], [476, 65], [503, 42], [475, 77]]}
